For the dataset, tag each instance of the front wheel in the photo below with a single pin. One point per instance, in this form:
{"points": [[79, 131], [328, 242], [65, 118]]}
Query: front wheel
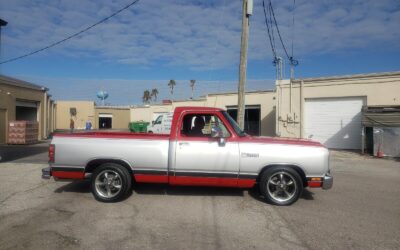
{"points": [[111, 182], [281, 185]]}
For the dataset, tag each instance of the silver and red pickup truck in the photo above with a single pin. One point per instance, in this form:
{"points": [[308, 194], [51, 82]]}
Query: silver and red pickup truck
{"points": [[205, 148]]}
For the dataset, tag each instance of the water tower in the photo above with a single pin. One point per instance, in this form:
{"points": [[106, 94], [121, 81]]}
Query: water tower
{"points": [[102, 95]]}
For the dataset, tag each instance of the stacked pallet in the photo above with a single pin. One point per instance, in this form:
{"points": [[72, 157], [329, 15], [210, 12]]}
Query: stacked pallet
{"points": [[23, 132]]}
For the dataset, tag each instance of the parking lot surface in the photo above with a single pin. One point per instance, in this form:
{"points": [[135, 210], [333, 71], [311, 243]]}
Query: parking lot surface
{"points": [[361, 211]]}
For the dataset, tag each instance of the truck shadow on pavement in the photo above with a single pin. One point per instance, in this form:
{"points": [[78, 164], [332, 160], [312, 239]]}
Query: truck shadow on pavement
{"points": [[157, 189], [255, 193], [160, 189]]}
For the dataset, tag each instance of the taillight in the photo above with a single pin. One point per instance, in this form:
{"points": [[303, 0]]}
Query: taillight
{"points": [[52, 152]]}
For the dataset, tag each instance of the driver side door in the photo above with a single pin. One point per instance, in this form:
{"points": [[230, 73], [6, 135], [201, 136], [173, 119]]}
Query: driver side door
{"points": [[203, 160]]}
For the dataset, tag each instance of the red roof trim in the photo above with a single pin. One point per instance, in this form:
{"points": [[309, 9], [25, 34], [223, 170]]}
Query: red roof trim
{"points": [[114, 135]]}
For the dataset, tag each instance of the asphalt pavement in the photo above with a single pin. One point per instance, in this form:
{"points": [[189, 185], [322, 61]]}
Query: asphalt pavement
{"points": [[361, 211]]}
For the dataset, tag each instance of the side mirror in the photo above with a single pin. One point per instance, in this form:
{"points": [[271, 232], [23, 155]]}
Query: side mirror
{"points": [[152, 123], [221, 141]]}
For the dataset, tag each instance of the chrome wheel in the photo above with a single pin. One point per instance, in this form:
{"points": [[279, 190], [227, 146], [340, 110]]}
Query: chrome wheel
{"points": [[108, 183], [281, 186]]}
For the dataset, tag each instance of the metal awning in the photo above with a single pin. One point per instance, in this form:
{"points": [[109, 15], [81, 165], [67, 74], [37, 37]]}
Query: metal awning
{"points": [[381, 116]]}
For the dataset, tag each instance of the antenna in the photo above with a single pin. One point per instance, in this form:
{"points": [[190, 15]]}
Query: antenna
{"points": [[102, 95]]}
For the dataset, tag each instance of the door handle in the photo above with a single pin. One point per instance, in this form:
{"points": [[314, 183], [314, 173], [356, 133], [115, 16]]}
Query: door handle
{"points": [[183, 144]]}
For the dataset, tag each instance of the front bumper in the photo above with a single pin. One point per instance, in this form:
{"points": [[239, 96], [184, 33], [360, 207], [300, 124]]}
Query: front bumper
{"points": [[46, 173], [327, 182]]}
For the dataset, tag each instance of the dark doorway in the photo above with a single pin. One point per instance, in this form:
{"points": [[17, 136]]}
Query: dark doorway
{"points": [[251, 119], [25, 113], [105, 122]]}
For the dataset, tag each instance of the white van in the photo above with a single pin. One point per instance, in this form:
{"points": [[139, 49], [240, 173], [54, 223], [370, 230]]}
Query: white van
{"points": [[162, 124]]}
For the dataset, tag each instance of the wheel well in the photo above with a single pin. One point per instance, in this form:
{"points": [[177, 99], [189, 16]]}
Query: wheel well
{"points": [[296, 168], [92, 165]]}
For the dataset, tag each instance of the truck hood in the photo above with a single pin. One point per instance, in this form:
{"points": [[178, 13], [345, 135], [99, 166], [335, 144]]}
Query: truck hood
{"points": [[281, 140]]}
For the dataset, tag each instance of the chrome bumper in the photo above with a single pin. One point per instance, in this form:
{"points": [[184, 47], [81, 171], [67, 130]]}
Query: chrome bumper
{"points": [[46, 173], [327, 182]]}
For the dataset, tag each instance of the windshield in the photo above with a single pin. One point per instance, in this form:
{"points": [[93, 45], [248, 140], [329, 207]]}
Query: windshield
{"points": [[234, 125]]}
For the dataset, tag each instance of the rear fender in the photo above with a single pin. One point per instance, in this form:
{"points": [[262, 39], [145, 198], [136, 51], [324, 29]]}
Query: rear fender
{"points": [[94, 163]]}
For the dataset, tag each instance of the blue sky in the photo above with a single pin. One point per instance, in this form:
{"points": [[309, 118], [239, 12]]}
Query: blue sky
{"points": [[155, 41]]}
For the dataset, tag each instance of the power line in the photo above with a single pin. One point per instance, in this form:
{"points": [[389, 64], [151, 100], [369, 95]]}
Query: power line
{"points": [[293, 62], [71, 36], [294, 6], [277, 29], [269, 30]]}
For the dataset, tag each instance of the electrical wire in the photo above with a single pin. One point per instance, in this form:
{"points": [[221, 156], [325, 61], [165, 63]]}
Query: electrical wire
{"points": [[293, 61], [269, 30], [73, 35], [277, 29], [294, 6]]}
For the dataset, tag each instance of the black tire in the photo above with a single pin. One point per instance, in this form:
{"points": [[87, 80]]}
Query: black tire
{"points": [[118, 176], [150, 132], [278, 192]]}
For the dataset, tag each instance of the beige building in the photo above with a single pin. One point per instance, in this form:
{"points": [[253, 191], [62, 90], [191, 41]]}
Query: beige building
{"points": [[113, 117], [21, 100], [259, 117], [328, 109], [101, 117], [79, 111]]}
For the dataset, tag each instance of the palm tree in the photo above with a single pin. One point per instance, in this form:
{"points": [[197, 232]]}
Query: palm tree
{"points": [[154, 93], [146, 96], [171, 85], [192, 82]]}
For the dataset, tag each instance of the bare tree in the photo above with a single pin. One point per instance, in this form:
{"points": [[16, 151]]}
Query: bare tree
{"points": [[171, 85], [192, 83], [154, 93], [146, 96]]}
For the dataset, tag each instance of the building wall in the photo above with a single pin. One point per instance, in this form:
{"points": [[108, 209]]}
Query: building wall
{"points": [[84, 112], [379, 89], [266, 100], [120, 120], [8, 106], [145, 113]]}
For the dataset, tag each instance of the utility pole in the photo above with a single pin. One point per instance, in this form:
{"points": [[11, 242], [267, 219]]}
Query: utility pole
{"points": [[247, 11], [2, 23]]}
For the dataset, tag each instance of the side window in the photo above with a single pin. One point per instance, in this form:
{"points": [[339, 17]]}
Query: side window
{"points": [[158, 120], [221, 126], [200, 125]]}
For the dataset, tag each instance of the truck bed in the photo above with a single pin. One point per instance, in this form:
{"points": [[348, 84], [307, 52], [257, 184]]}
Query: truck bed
{"points": [[76, 151]]}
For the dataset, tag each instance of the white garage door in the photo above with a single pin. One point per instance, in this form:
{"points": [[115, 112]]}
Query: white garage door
{"points": [[335, 122]]}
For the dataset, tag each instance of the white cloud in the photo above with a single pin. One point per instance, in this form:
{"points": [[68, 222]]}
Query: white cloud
{"points": [[198, 36]]}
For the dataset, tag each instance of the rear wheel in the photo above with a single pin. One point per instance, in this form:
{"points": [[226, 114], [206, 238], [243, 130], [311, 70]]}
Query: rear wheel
{"points": [[281, 185], [111, 182]]}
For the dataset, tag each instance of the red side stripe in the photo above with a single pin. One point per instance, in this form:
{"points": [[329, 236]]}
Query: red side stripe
{"points": [[195, 181], [203, 181], [246, 183], [68, 175], [147, 178]]}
